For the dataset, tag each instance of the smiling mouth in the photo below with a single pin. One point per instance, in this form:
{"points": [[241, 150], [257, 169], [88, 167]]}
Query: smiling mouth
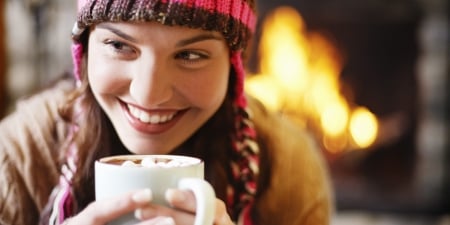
{"points": [[150, 118]]}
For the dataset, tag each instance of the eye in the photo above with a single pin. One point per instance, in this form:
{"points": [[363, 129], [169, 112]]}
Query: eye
{"points": [[191, 57], [119, 47]]}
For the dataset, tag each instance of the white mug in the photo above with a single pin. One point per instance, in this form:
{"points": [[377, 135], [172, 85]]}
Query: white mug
{"points": [[112, 179]]}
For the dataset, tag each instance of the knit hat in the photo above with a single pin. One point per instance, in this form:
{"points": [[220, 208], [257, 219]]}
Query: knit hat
{"points": [[235, 20]]}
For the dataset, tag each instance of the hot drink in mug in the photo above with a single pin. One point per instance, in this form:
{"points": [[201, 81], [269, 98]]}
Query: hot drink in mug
{"points": [[116, 175]]}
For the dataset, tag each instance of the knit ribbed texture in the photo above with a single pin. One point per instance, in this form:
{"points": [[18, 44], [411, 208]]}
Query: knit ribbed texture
{"points": [[234, 19]]}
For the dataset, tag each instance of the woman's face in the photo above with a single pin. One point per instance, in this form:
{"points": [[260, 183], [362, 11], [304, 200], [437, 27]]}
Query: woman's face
{"points": [[157, 84]]}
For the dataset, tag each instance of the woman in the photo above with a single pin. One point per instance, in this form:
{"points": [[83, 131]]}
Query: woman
{"points": [[158, 77]]}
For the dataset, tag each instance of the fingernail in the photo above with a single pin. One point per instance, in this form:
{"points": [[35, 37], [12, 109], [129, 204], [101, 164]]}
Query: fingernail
{"points": [[144, 213], [138, 214], [166, 221], [143, 196], [175, 195]]}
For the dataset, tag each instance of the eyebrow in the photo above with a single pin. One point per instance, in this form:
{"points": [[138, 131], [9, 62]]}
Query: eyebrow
{"points": [[116, 32], [198, 38], [181, 43]]}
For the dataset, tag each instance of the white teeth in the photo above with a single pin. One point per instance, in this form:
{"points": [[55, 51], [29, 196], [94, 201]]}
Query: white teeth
{"points": [[163, 118], [144, 117], [154, 119], [148, 118]]}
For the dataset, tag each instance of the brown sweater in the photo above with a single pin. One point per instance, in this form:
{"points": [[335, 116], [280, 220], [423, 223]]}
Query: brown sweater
{"points": [[299, 192]]}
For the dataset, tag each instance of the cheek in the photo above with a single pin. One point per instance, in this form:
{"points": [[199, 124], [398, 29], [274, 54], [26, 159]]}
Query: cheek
{"points": [[103, 75], [209, 89]]}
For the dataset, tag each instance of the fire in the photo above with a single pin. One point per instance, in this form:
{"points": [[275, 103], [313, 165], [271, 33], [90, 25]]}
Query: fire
{"points": [[299, 76], [363, 127]]}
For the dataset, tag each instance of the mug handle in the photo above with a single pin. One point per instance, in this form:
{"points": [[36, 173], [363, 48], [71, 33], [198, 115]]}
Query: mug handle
{"points": [[205, 197]]}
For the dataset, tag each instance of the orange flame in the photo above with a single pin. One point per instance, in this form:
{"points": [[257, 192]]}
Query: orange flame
{"points": [[299, 74]]}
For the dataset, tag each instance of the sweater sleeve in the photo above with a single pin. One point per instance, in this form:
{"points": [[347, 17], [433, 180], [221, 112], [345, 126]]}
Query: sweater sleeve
{"points": [[299, 191], [29, 139]]}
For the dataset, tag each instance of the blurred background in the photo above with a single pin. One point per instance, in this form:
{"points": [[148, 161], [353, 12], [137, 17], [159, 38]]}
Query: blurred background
{"points": [[370, 80]]}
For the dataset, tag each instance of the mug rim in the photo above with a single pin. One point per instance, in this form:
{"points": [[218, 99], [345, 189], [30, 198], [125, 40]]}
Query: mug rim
{"points": [[190, 159]]}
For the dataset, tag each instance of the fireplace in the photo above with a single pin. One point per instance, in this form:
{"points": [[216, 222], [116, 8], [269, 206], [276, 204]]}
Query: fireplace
{"points": [[375, 54]]}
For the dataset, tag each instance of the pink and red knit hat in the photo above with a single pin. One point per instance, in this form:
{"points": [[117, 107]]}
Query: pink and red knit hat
{"points": [[235, 19]]}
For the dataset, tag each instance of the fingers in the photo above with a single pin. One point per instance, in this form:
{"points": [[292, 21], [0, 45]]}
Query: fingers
{"points": [[159, 221], [183, 211], [185, 200], [181, 199], [152, 213], [101, 212], [222, 217], [116, 207]]}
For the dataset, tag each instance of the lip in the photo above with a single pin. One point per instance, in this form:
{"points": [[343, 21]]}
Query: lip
{"points": [[150, 128]]}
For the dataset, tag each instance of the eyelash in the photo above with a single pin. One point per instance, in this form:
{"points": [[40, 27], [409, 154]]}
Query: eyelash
{"points": [[185, 57], [119, 47]]}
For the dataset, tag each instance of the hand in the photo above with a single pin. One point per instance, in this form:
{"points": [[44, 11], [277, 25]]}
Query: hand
{"points": [[102, 212], [182, 213]]}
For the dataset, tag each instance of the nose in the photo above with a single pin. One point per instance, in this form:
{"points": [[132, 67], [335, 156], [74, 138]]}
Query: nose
{"points": [[151, 83]]}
